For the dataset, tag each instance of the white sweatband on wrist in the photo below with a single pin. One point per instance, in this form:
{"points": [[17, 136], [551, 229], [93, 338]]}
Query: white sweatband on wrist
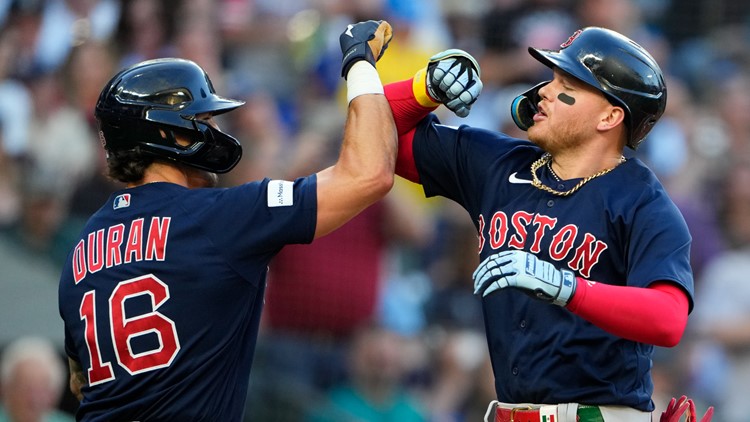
{"points": [[362, 79]]}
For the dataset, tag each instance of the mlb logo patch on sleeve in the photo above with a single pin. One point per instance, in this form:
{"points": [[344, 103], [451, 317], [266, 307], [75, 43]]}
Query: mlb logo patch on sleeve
{"points": [[280, 193], [121, 201]]}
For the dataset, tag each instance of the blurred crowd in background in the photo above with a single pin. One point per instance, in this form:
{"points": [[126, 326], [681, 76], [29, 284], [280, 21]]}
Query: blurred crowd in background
{"points": [[375, 322]]}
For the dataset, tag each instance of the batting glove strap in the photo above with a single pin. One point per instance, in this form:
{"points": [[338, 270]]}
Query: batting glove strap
{"points": [[453, 79], [567, 288], [355, 43]]}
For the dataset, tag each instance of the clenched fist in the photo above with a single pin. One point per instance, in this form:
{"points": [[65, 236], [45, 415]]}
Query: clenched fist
{"points": [[364, 41], [453, 80]]}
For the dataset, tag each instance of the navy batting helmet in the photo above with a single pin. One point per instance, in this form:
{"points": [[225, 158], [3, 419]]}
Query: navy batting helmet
{"points": [[145, 105], [615, 65]]}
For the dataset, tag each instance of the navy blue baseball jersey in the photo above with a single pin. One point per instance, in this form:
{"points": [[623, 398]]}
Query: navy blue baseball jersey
{"points": [[620, 228], [161, 297]]}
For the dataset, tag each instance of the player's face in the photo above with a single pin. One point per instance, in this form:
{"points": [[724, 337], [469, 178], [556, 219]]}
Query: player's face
{"points": [[569, 112]]}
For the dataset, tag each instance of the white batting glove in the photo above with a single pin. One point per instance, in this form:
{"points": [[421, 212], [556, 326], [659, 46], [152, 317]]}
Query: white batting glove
{"points": [[453, 80], [535, 277]]}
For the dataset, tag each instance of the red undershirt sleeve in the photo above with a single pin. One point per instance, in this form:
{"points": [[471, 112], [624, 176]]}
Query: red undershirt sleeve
{"points": [[655, 315], [407, 113]]}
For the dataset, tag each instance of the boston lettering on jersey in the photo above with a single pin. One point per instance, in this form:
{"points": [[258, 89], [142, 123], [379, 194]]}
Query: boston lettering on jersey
{"points": [[562, 240], [116, 245]]}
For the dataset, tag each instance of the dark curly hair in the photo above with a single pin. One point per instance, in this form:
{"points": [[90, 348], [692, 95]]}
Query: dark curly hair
{"points": [[128, 166]]}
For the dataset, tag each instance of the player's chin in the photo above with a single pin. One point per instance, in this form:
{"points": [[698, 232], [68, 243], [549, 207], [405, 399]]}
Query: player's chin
{"points": [[535, 135], [544, 138]]}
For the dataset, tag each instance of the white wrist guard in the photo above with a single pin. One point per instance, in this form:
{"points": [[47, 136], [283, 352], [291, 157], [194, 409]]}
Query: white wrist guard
{"points": [[362, 79]]}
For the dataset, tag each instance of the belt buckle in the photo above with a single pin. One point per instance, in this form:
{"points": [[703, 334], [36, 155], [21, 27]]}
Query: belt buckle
{"points": [[516, 409]]}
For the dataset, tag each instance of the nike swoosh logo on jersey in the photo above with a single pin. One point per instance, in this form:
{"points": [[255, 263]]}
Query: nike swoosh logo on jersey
{"points": [[514, 179]]}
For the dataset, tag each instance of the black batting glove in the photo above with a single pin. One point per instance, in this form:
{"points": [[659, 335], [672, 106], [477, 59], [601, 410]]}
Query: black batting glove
{"points": [[364, 41]]}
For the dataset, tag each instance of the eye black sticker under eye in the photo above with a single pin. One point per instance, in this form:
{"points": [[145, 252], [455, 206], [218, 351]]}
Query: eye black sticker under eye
{"points": [[567, 99]]}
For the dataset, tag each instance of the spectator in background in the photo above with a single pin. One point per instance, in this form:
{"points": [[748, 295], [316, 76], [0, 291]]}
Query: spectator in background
{"points": [[68, 23], [411, 46], [626, 17], [722, 317], [481, 391], [731, 101], [38, 231], [62, 144], [32, 380], [319, 294], [261, 131], [197, 38], [24, 21], [15, 99], [506, 29], [454, 321], [10, 198], [255, 39], [509, 28], [462, 19], [88, 69], [374, 390], [61, 153], [145, 30], [452, 305], [618, 15], [684, 170], [15, 115], [679, 159]]}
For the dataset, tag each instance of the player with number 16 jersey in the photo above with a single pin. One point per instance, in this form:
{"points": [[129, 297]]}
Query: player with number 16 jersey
{"points": [[140, 300], [161, 295]]}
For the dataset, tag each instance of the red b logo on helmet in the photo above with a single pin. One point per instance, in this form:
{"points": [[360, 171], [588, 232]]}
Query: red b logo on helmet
{"points": [[570, 40]]}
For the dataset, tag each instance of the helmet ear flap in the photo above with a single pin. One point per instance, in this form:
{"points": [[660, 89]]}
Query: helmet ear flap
{"points": [[524, 107]]}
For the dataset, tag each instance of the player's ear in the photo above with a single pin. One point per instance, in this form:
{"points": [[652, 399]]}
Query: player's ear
{"points": [[612, 116]]}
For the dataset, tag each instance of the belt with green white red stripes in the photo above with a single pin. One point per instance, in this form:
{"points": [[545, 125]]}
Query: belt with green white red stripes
{"points": [[545, 414]]}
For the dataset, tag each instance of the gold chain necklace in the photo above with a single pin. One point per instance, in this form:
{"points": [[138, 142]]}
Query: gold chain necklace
{"points": [[545, 159]]}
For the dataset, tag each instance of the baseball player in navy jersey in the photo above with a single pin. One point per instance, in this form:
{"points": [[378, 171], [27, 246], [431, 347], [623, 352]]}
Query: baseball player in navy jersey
{"points": [[584, 259], [161, 296]]}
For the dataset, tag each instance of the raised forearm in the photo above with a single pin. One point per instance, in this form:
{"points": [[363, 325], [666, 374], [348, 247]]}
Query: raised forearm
{"points": [[368, 153], [363, 173]]}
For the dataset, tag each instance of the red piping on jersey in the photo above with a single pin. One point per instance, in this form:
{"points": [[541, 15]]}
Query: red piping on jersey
{"points": [[407, 113], [655, 315]]}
